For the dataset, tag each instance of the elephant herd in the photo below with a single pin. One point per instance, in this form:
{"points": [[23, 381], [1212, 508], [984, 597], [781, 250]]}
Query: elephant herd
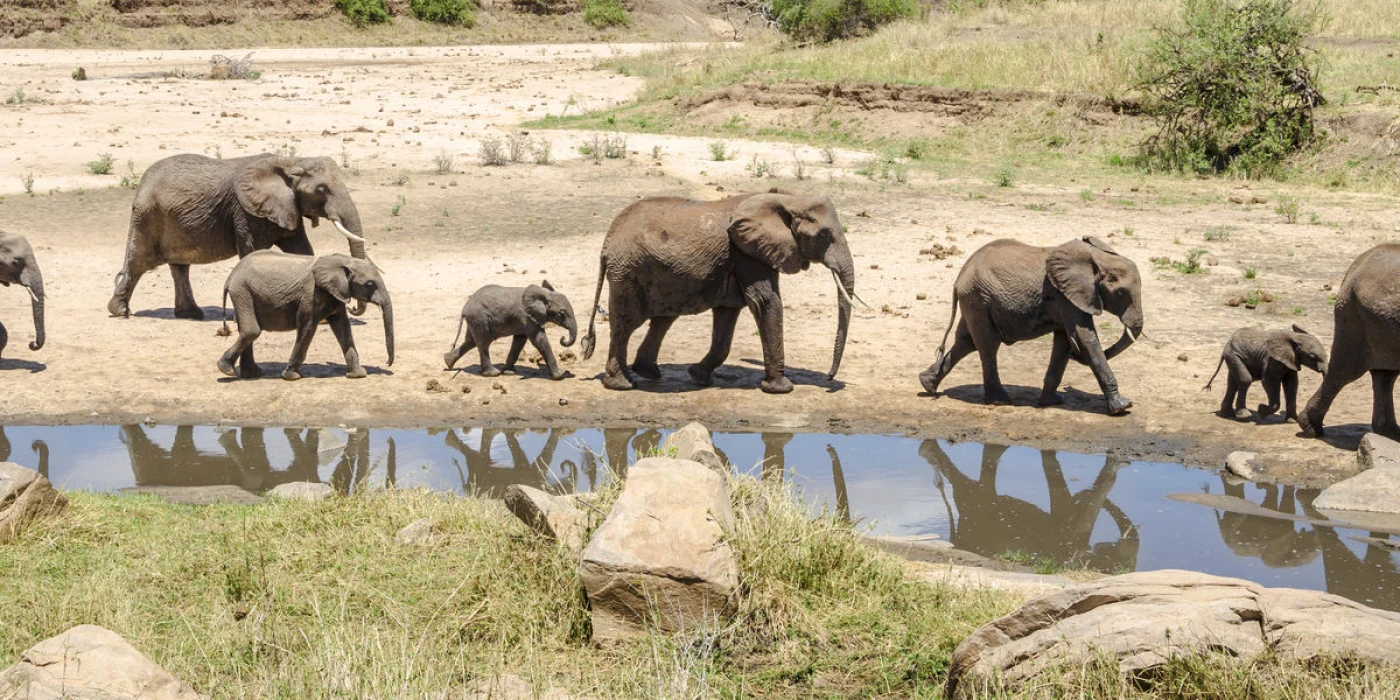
{"points": [[664, 257]]}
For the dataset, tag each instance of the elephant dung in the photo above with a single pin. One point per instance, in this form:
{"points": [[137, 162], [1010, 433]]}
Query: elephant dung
{"points": [[302, 491], [1145, 619], [553, 517], [661, 556], [1377, 451], [90, 663], [693, 442], [25, 496]]}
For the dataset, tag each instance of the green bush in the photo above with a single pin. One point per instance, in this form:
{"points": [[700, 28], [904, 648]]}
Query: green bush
{"points": [[1233, 89], [458, 12], [826, 20], [363, 13], [605, 13]]}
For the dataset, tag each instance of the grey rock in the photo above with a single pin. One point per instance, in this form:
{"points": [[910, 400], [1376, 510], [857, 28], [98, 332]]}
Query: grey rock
{"points": [[693, 442], [302, 491], [1375, 490], [551, 516], [90, 663], [1244, 464], [661, 556], [1377, 451], [419, 531], [200, 495], [25, 496]]}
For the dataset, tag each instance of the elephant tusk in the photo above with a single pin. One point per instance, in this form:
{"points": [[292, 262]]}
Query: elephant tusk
{"points": [[346, 232], [862, 301], [32, 295], [1129, 331]]}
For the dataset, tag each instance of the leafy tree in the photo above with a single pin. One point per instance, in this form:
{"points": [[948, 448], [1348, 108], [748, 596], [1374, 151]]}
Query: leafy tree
{"points": [[827, 20], [458, 12], [363, 13]]}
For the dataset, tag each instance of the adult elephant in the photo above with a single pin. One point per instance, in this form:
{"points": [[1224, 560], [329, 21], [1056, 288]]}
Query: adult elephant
{"points": [[1009, 291], [1365, 338], [17, 266], [668, 256], [191, 210]]}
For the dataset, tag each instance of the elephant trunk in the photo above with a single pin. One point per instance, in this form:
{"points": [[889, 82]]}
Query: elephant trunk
{"points": [[387, 308], [572, 326], [33, 280], [1132, 328], [843, 271]]}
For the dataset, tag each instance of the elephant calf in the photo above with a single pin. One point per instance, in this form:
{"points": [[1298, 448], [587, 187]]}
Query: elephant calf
{"points": [[1274, 356], [282, 292], [17, 266], [496, 312]]}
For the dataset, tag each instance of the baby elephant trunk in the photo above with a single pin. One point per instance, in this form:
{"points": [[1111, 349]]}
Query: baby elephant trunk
{"points": [[572, 326]]}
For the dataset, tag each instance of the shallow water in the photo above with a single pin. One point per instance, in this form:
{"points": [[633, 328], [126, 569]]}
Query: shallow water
{"points": [[1016, 502]]}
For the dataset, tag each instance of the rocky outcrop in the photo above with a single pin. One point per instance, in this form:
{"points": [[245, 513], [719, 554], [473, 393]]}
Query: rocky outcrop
{"points": [[302, 491], [25, 496], [550, 516], [90, 663], [1145, 618], [693, 442], [660, 558], [1377, 451], [1375, 490]]}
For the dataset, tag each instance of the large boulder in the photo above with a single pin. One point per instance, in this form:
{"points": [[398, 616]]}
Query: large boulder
{"points": [[1376, 490], [1377, 451], [90, 663], [25, 496], [1145, 618], [693, 442], [551, 516], [661, 557]]}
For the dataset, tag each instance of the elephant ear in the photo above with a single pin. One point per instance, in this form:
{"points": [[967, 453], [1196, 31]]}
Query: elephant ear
{"points": [[761, 227], [536, 306], [1282, 351], [264, 189], [332, 276], [1101, 244], [1071, 270], [1299, 329]]}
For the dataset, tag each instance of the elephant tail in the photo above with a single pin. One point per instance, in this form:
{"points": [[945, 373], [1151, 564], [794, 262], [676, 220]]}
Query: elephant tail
{"points": [[1218, 365], [952, 318], [461, 322], [590, 339], [223, 314]]}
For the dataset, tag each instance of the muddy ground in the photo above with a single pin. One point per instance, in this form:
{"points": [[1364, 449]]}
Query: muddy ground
{"points": [[390, 114]]}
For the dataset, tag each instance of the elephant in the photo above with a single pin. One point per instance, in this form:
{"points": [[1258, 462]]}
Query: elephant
{"points": [[191, 210], [489, 477], [245, 463], [496, 312], [1009, 291], [40, 448], [278, 291], [1273, 356], [1365, 338], [668, 256], [17, 266]]}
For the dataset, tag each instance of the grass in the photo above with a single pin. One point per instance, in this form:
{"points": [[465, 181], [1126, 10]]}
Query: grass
{"points": [[1190, 266], [103, 164]]}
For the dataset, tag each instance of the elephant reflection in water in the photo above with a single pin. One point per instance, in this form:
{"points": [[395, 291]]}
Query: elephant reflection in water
{"points": [[40, 448], [989, 523], [1277, 542], [483, 477], [352, 472], [617, 441]]}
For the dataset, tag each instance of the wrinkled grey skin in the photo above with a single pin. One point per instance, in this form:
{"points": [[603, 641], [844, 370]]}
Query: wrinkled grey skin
{"points": [[1274, 356], [1365, 338], [1009, 292], [275, 291], [667, 256], [496, 312], [17, 266], [191, 210]]}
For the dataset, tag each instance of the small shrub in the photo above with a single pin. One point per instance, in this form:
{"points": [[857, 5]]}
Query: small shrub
{"points": [[517, 144], [130, 179], [455, 12], [541, 152], [760, 168], [442, 162], [492, 151], [16, 97], [1287, 207], [1005, 176], [615, 146], [593, 149], [103, 164], [224, 68], [1086, 194], [1190, 266], [401, 179], [1250, 273], [828, 20], [363, 13], [398, 206], [602, 14], [80, 73], [1218, 233], [828, 155], [28, 181], [719, 150]]}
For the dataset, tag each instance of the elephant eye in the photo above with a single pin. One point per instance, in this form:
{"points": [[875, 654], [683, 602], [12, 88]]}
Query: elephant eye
{"points": [[322, 189]]}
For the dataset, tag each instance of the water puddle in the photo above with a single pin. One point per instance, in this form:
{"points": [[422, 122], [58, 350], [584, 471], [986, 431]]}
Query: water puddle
{"points": [[1051, 508]]}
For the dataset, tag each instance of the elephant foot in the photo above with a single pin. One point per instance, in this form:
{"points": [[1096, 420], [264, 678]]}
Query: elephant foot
{"points": [[118, 307], [1053, 398], [996, 396], [1308, 427], [1391, 431], [646, 370], [1266, 410], [702, 375], [776, 385], [450, 358], [227, 368], [930, 379], [192, 313], [251, 372], [558, 374], [1243, 414], [1119, 404], [290, 374], [490, 371], [617, 382], [356, 373], [509, 369]]}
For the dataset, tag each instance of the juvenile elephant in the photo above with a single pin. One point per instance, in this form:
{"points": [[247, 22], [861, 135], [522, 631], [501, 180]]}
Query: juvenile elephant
{"points": [[668, 256], [1009, 291], [496, 312], [17, 266], [1274, 356], [1365, 338], [192, 210], [276, 291]]}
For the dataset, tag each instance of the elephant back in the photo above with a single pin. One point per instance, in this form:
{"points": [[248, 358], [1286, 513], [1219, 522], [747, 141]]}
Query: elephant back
{"points": [[681, 237]]}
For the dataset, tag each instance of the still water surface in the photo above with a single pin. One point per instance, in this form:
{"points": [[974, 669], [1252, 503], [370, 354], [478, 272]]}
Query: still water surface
{"points": [[1077, 509]]}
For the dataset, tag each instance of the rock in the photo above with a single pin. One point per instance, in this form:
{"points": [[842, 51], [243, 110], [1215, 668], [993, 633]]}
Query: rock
{"points": [[199, 495], [419, 531], [90, 663], [25, 496], [1374, 490], [1244, 464], [302, 491], [555, 518], [1377, 451], [693, 443], [662, 544], [1145, 618]]}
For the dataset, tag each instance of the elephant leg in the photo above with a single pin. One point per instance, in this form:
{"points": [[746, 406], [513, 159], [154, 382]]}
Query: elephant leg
{"points": [[721, 339], [1055, 371], [132, 271], [963, 345], [646, 365], [1341, 371], [541, 343], [1239, 382], [1089, 344], [451, 356], [4, 339], [620, 330], [483, 350], [248, 331], [185, 305], [248, 365], [1273, 380], [1290, 396], [306, 330], [340, 326], [765, 302], [1383, 403], [517, 343]]}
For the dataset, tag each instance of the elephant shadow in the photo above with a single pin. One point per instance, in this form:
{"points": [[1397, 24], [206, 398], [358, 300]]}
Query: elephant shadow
{"points": [[211, 313], [1345, 436], [32, 366], [1075, 399], [520, 372], [319, 370], [676, 379]]}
